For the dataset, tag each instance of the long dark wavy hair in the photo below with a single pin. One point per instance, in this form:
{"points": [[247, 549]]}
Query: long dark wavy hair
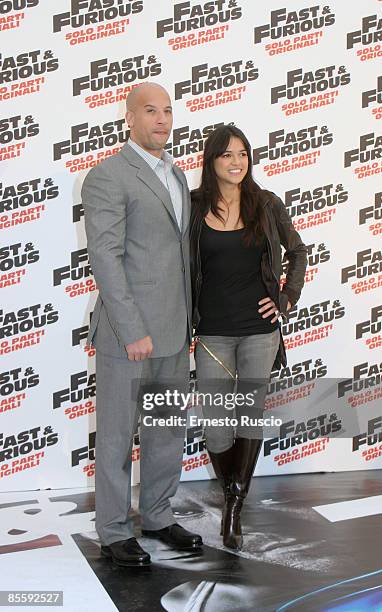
{"points": [[207, 195]]}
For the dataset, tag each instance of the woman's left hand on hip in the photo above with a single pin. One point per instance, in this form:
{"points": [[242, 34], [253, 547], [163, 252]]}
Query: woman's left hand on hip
{"points": [[269, 308]]}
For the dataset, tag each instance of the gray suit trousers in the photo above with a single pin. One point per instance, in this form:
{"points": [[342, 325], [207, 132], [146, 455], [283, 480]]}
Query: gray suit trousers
{"points": [[119, 385]]}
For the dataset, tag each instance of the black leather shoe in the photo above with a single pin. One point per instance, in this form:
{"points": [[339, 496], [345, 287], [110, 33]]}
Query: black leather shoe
{"points": [[175, 536], [127, 553]]}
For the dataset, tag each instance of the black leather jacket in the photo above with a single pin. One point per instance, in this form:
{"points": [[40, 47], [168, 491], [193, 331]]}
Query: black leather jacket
{"points": [[279, 231]]}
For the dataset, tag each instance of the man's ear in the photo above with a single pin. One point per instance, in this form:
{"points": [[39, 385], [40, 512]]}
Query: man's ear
{"points": [[129, 118]]}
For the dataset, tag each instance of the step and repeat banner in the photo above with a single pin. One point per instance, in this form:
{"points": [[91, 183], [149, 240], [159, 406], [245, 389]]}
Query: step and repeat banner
{"points": [[303, 80]]}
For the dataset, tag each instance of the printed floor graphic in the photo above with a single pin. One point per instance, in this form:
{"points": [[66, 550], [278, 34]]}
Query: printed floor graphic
{"points": [[311, 542]]}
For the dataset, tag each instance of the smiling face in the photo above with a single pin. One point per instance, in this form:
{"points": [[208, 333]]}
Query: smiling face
{"points": [[149, 117], [232, 166]]}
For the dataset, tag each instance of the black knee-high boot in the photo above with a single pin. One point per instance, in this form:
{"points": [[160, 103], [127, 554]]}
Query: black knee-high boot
{"points": [[223, 464], [246, 453]]}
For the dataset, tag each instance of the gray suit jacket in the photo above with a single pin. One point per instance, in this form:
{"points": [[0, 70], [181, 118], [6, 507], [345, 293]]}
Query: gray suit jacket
{"points": [[139, 257]]}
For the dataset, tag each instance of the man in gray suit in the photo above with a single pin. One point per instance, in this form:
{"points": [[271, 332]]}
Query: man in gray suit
{"points": [[137, 208]]}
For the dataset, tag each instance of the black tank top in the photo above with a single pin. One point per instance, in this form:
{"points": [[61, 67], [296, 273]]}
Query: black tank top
{"points": [[231, 285]]}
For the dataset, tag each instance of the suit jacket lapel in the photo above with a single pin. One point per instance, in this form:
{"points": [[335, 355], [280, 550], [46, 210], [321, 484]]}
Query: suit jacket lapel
{"points": [[148, 176], [186, 202], [150, 179]]}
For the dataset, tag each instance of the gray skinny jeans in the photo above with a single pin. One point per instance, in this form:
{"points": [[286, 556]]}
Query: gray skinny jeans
{"points": [[252, 357]]}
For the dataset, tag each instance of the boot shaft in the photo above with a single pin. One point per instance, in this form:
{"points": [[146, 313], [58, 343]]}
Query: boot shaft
{"points": [[246, 454]]}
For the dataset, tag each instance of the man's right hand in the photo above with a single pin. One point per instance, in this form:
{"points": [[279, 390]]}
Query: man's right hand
{"points": [[140, 349]]}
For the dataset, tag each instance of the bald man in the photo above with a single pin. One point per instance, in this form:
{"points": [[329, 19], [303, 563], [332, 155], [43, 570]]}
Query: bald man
{"points": [[137, 208]]}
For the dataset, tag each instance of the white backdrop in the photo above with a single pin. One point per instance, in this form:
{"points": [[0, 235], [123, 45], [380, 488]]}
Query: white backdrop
{"points": [[302, 80]]}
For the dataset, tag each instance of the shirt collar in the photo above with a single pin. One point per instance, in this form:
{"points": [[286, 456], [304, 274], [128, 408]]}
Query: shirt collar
{"points": [[153, 161]]}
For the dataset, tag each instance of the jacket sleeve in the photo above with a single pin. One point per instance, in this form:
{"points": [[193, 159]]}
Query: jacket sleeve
{"points": [[105, 225], [296, 254]]}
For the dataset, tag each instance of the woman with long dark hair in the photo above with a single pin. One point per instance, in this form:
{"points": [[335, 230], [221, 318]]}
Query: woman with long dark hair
{"points": [[236, 232]]}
